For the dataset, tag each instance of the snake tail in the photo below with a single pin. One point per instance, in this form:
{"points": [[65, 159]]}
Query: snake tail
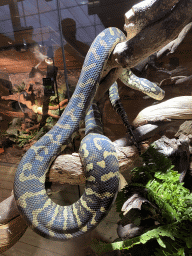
{"points": [[118, 107]]}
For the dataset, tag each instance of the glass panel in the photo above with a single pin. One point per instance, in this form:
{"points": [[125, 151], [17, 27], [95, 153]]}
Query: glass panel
{"points": [[30, 33], [6, 27], [30, 7], [4, 12], [49, 19], [36, 22], [67, 3], [45, 6], [81, 16]]}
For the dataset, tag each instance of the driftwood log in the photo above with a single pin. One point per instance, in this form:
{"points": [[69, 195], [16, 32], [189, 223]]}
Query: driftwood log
{"points": [[152, 122], [36, 109], [150, 34], [173, 109], [12, 225], [171, 66], [153, 35], [149, 28]]}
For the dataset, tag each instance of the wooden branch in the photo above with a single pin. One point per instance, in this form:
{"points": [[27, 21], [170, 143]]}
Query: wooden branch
{"points": [[175, 44], [12, 226], [153, 37], [34, 127], [8, 111], [178, 82], [173, 109], [61, 104], [9, 203], [171, 65], [111, 77], [145, 13], [68, 168], [36, 109], [11, 113], [177, 86]]}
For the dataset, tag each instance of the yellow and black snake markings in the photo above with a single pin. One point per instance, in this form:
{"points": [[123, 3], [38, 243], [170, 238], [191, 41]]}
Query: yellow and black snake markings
{"points": [[97, 152], [101, 165], [142, 84]]}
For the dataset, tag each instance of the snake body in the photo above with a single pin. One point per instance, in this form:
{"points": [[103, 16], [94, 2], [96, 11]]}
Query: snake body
{"points": [[98, 156], [44, 216]]}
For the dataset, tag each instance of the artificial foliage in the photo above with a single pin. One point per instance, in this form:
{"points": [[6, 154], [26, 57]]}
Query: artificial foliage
{"points": [[160, 184]]}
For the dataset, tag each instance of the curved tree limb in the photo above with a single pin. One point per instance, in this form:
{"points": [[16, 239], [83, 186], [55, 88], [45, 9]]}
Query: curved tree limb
{"points": [[36, 109], [145, 13], [172, 46], [153, 37], [173, 109], [68, 168], [12, 225]]}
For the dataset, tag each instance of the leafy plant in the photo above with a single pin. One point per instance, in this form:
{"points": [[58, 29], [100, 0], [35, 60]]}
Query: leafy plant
{"points": [[161, 182], [53, 100], [2, 133], [20, 87], [23, 139]]}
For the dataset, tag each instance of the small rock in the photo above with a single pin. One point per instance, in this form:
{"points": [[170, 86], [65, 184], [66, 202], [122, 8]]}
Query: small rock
{"points": [[129, 231]]}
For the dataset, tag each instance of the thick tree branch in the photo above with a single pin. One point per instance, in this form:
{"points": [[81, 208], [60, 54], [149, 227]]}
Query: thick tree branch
{"points": [[173, 109], [153, 37], [36, 109], [145, 13], [68, 168], [12, 224]]}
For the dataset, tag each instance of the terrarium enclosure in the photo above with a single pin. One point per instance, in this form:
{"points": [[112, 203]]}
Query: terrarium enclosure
{"points": [[43, 46]]}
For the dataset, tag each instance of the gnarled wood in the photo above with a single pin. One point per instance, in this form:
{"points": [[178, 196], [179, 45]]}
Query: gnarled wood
{"points": [[173, 109], [145, 13], [68, 168], [36, 109], [12, 225], [153, 37]]}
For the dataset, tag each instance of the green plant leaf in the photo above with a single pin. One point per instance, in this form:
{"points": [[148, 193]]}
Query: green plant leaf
{"points": [[158, 177], [160, 242]]}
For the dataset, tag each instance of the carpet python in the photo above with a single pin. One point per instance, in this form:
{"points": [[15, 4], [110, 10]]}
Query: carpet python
{"points": [[98, 156]]}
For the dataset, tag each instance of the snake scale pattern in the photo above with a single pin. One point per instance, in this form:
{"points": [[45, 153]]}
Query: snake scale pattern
{"points": [[97, 152]]}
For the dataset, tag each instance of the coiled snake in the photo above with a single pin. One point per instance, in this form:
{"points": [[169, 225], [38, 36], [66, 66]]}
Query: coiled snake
{"points": [[44, 216]]}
